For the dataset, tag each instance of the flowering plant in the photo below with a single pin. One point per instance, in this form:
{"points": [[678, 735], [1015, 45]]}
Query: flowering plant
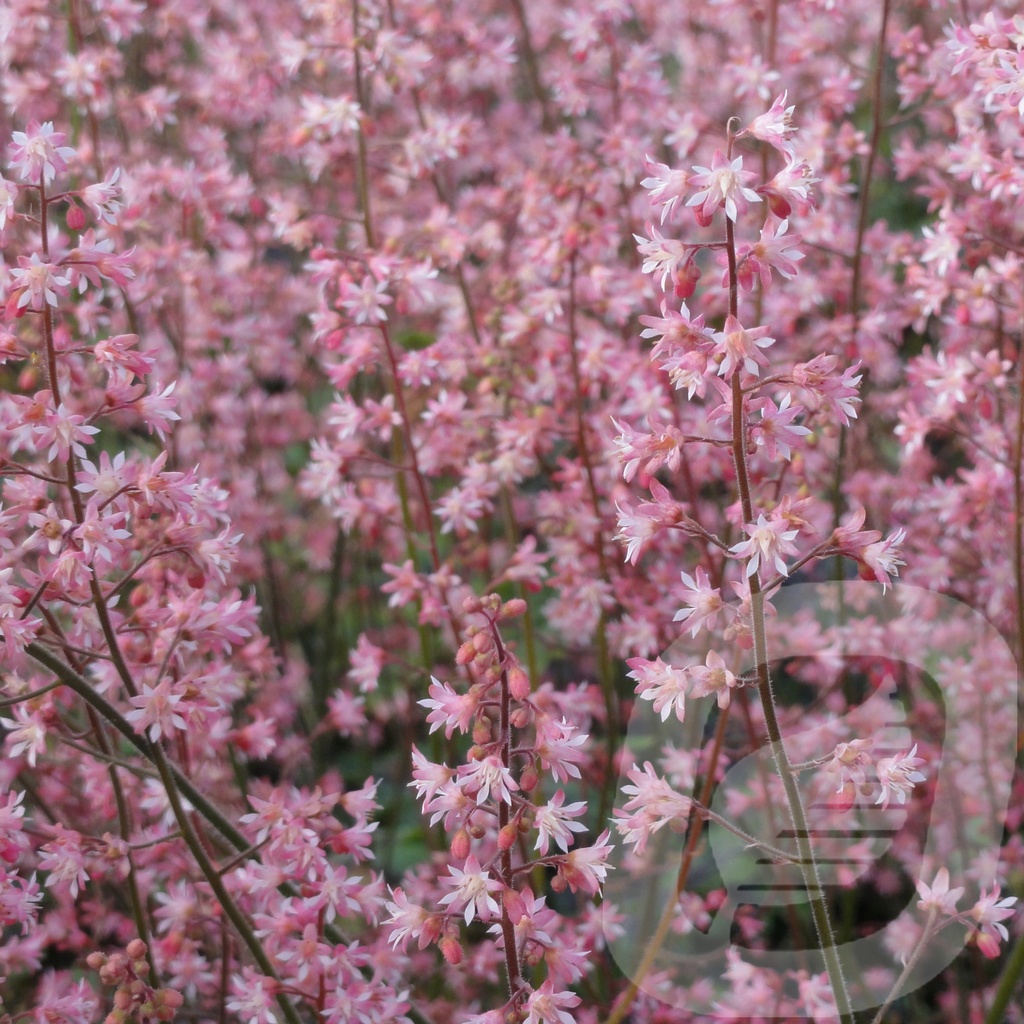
{"points": [[438, 447]]}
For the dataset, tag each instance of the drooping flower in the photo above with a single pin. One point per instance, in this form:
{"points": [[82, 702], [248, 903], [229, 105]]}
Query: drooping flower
{"points": [[989, 912], [775, 125]]}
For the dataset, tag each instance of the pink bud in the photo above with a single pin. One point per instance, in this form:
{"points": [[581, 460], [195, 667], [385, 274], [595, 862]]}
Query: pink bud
{"points": [[512, 609], [76, 217], [451, 950], [518, 683], [460, 845], [507, 836], [515, 906], [520, 718], [136, 949]]}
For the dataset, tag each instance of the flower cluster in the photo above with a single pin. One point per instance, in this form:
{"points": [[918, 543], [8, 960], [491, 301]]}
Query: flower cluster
{"points": [[321, 321]]}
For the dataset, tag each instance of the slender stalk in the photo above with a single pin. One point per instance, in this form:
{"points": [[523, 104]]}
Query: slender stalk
{"points": [[908, 967], [693, 837], [508, 932], [532, 65], [856, 299], [808, 866], [601, 634], [1014, 968]]}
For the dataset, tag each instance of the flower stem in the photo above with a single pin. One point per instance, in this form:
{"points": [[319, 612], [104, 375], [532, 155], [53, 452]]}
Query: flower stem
{"points": [[808, 867]]}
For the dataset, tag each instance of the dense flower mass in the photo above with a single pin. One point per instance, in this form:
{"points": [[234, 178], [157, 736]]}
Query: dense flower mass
{"points": [[404, 406]]}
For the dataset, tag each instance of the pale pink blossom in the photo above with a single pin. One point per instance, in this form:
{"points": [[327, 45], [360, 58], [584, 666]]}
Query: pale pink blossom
{"points": [[897, 775], [714, 678], [724, 183], [737, 346], [989, 912], [704, 602], [768, 540], [662, 684], [472, 891], [938, 896], [553, 821], [37, 153]]}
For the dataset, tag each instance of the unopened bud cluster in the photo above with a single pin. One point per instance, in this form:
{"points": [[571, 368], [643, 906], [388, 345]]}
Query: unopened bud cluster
{"points": [[134, 998]]}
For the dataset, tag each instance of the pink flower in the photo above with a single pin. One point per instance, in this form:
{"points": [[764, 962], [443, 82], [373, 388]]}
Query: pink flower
{"points": [[666, 186], [849, 764], [479, 778], [546, 1006], [737, 346], [365, 664], [938, 896], [409, 921], [553, 822], [881, 561], [703, 600], [721, 184], [789, 189], [37, 153], [448, 708], [585, 868], [104, 197], [654, 450], [776, 433], [472, 891], [774, 126], [654, 803], [27, 734], [37, 283], [990, 911], [365, 302], [714, 678], [772, 252], [8, 196], [64, 860], [897, 775], [252, 997], [662, 684], [156, 710], [661, 255], [768, 541]]}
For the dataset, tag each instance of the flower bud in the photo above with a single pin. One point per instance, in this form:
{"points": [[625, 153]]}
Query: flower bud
{"points": [[460, 845], [451, 950], [529, 779], [512, 609], [76, 217], [507, 836], [518, 683], [520, 718], [136, 949]]}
